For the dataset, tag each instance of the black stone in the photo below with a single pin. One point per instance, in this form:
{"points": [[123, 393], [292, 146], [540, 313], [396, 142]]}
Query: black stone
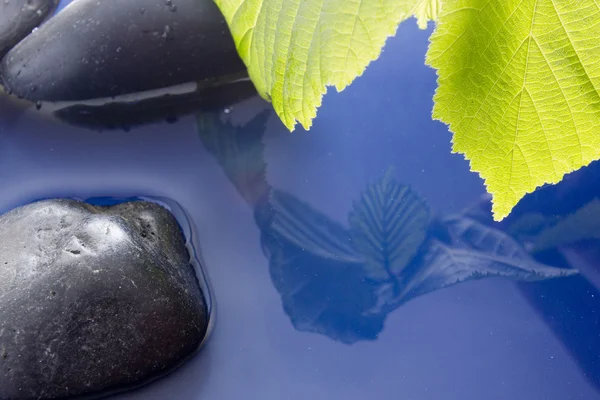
{"points": [[19, 17], [96, 49], [93, 300]]}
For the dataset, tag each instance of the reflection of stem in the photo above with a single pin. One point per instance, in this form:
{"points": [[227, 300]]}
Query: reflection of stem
{"points": [[240, 152], [578, 260]]}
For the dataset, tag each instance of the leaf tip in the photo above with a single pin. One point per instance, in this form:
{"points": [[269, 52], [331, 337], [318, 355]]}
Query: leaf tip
{"points": [[498, 216], [422, 23]]}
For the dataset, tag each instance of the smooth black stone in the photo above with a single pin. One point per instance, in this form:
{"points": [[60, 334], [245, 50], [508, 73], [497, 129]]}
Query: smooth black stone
{"points": [[96, 49], [93, 300], [19, 17]]}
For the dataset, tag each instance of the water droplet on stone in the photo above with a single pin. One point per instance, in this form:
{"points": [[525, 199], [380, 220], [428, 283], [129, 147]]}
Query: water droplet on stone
{"points": [[167, 33]]}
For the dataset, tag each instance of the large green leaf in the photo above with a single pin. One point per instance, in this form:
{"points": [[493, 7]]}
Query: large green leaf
{"points": [[518, 86], [426, 10], [295, 48]]}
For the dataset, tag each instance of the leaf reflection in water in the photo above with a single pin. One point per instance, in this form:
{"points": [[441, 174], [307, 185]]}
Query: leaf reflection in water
{"points": [[340, 281]]}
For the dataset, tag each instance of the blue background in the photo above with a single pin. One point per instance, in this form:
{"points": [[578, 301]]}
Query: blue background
{"points": [[478, 340]]}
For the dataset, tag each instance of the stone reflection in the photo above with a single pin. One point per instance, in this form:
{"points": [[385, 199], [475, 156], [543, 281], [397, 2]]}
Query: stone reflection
{"points": [[342, 281], [127, 115]]}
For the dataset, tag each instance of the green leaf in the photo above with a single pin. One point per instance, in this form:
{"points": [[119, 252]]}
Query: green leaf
{"points": [[295, 48], [389, 224], [518, 86], [426, 10]]}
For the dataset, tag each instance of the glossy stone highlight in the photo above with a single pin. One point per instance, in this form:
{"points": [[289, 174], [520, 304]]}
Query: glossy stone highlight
{"points": [[101, 49], [19, 17], [94, 300]]}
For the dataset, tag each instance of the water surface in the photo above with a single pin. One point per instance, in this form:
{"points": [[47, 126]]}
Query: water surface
{"points": [[492, 339]]}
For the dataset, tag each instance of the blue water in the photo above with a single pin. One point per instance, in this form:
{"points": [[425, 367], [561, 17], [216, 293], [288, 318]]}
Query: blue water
{"points": [[300, 330]]}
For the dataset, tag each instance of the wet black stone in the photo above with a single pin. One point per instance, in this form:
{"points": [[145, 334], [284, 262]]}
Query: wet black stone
{"points": [[96, 49], [93, 300], [19, 17]]}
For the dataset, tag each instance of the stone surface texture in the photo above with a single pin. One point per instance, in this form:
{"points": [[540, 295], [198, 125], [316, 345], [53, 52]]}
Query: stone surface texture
{"points": [[19, 17], [93, 300], [100, 49]]}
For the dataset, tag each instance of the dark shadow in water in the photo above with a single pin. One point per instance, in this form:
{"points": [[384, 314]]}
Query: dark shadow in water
{"points": [[342, 281]]}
